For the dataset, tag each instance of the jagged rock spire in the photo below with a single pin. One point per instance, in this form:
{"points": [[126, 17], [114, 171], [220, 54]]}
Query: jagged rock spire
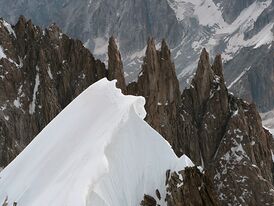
{"points": [[165, 52], [201, 82], [206, 102], [159, 85], [217, 67], [230, 137], [115, 65]]}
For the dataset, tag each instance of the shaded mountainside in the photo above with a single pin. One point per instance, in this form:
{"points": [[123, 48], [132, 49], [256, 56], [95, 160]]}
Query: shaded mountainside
{"points": [[43, 71]]}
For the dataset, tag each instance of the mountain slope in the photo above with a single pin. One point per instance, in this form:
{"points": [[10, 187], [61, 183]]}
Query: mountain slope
{"points": [[83, 155], [241, 30]]}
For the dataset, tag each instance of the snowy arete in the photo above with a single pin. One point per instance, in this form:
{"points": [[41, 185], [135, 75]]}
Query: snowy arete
{"points": [[97, 152]]}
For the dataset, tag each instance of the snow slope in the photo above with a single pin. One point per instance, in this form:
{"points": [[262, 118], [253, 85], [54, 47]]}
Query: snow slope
{"points": [[207, 13], [97, 151]]}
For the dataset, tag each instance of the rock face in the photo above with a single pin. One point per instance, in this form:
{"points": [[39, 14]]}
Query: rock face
{"points": [[186, 188], [222, 133], [41, 72], [190, 187], [115, 65], [158, 83], [233, 145], [206, 96]]}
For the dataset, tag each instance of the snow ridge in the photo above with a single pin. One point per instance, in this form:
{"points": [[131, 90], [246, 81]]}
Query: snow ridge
{"points": [[97, 151]]}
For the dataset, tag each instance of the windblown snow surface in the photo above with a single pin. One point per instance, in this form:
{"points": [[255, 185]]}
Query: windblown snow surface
{"points": [[97, 152]]}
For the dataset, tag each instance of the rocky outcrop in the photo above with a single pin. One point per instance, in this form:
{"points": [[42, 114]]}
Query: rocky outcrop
{"points": [[148, 201], [205, 106], [233, 145], [158, 83], [242, 165], [188, 187], [115, 65], [41, 72], [215, 129]]}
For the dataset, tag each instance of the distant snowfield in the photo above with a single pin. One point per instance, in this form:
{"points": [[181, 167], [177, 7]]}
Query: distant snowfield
{"points": [[230, 36], [206, 11], [97, 151], [245, 22]]}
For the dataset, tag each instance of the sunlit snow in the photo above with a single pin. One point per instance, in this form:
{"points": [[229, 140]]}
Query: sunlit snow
{"points": [[97, 151]]}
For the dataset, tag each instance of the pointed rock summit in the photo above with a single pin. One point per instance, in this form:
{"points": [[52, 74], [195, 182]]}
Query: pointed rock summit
{"points": [[158, 83], [206, 102], [228, 134], [115, 65], [216, 130]]}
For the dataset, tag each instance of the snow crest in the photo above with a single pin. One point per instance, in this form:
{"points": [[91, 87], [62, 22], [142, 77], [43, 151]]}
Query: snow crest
{"points": [[97, 151]]}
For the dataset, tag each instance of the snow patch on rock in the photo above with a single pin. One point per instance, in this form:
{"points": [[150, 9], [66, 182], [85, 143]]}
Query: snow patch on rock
{"points": [[9, 28], [2, 54], [35, 90]]}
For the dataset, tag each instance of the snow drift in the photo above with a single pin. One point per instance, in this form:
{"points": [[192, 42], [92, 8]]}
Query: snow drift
{"points": [[97, 152]]}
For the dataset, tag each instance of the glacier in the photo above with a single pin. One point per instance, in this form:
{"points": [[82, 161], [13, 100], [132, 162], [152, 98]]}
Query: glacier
{"points": [[97, 151]]}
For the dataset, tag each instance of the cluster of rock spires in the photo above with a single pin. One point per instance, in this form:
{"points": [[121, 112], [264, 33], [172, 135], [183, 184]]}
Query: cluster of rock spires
{"points": [[222, 133], [45, 70]]}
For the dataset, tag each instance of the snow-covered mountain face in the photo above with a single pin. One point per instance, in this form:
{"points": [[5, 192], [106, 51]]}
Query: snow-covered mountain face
{"points": [[81, 157], [241, 30]]}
